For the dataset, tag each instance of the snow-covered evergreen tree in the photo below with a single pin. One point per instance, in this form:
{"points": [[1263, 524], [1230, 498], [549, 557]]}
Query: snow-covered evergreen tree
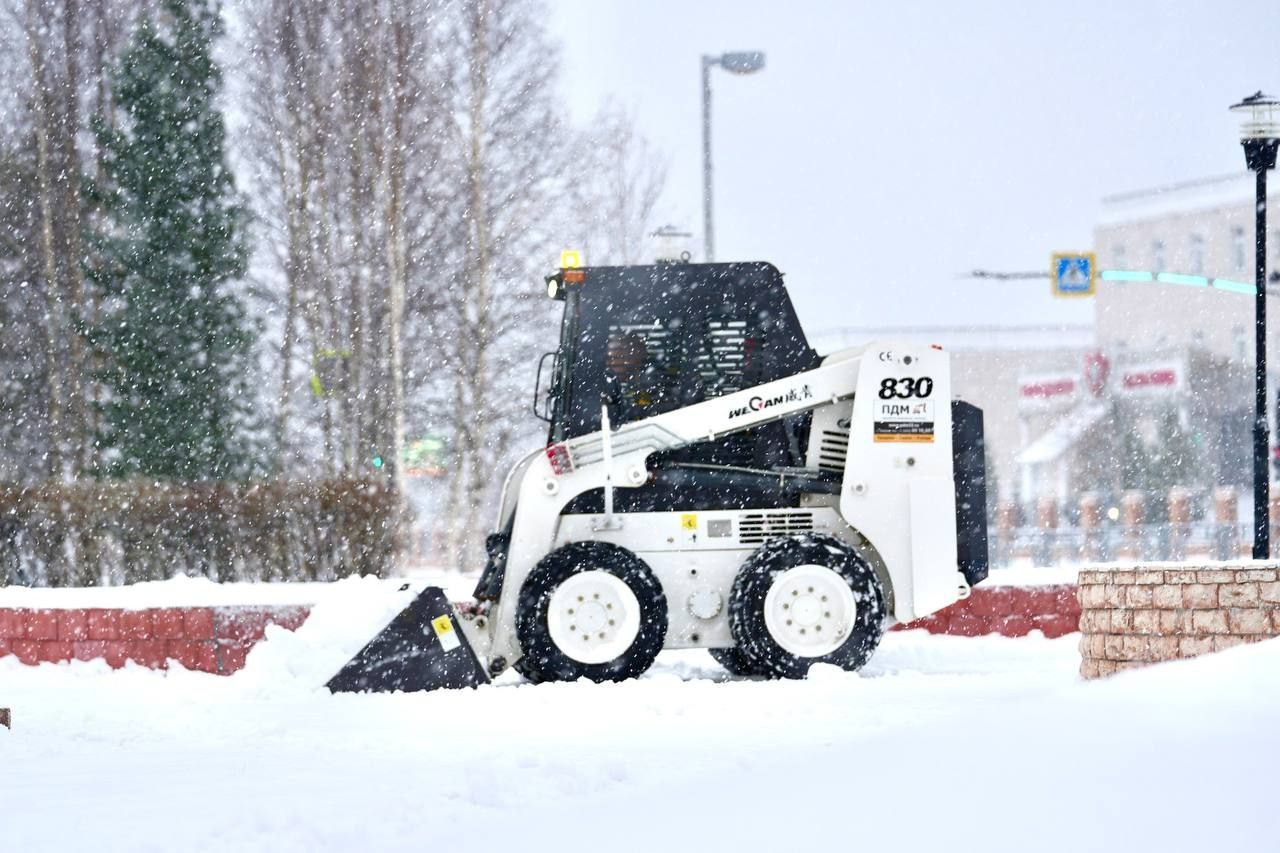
{"points": [[175, 342]]}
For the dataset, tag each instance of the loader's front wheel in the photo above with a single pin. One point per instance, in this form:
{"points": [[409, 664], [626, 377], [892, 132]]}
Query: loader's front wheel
{"points": [[801, 600], [590, 609]]}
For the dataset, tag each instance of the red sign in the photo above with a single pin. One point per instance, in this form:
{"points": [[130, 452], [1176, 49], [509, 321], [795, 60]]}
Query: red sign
{"points": [[1045, 389], [1164, 377]]}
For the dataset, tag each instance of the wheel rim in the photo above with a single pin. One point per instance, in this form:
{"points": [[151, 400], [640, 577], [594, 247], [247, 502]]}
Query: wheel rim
{"points": [[809, 611], [593, 617]]}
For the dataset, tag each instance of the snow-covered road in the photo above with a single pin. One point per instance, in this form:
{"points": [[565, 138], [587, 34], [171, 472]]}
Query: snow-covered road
{"points": [[940, 743]]}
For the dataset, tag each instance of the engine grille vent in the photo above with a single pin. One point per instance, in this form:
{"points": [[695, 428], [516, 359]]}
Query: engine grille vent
{"points": [[757, 527], [833, 448]]}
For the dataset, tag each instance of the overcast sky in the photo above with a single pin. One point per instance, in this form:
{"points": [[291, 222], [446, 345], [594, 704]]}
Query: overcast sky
{"points": [[889, 146]]}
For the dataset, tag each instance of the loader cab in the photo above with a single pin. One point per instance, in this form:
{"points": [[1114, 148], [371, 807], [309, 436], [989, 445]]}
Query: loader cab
{"points": [[650, 339], [645, 340]]}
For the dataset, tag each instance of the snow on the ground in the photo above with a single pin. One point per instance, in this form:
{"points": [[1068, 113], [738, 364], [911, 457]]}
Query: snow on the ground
{"points": [[941, 742]]}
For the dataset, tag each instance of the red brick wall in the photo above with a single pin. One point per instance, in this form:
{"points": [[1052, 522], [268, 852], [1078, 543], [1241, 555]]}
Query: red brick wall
{"points": [[1011, 611], [208, 639]]}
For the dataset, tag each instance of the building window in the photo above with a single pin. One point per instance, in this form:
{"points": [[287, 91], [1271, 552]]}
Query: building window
{"points": [[1239, 252], [1197, 254], [1157, 255]]}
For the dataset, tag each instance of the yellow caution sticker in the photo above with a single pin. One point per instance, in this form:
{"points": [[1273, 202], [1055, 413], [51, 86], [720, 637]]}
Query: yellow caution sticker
{"points": [[443, 626], [689, 520]]}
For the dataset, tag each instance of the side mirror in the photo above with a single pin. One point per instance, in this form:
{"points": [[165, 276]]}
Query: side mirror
{"points": [[542, 399]]}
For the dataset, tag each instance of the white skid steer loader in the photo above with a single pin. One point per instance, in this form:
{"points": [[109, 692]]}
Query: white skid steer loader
{"points": [[709, 481]]}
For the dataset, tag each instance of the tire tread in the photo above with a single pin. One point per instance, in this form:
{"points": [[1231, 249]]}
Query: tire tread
{"points": [[542, 660], [755, 577]]}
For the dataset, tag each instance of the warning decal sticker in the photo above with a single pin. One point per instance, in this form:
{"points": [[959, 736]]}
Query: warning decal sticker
{"points": [[443, 626], [903, 422]]}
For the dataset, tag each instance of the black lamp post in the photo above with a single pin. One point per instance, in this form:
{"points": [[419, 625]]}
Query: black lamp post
{"points": [[739, 62], [1260, 136]]}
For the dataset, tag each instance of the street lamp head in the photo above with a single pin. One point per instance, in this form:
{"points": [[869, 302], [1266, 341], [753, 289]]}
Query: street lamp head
{"points": [[1260, 117], [742, 62]]}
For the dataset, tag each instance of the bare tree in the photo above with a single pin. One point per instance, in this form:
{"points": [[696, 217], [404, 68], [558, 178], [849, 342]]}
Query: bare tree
{"points": [[621, 187], [69, 52], [514, 168], [23, 406], [35, 29], [343, 122], [411, 174]]}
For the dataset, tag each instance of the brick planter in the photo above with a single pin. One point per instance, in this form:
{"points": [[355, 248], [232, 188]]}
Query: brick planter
{"points": [[218, 639], [1139, 616], [1011, 611], [208, 639]]}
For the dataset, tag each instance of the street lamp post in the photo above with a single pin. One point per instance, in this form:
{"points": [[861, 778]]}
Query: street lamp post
{"points": [[1260, 137], [737, 62]]}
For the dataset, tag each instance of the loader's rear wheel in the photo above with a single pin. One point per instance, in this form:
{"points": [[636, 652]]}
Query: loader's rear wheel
{"points": [[801, 600], [590, 609]]}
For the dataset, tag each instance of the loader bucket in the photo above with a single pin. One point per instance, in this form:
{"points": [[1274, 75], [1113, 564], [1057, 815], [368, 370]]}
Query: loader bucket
{"points": [[423, 648]]}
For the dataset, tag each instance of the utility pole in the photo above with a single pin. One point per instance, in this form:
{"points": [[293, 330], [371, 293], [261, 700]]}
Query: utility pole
{"points": [[708, 233], [738, 62]]}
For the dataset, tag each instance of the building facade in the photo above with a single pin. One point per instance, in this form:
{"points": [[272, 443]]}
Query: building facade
{"points": [[1198, 228], [1158, 356]]}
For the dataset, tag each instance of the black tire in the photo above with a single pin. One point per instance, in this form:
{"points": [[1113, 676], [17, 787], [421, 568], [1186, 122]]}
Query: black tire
{"points": [[542, 659], [758, 574], [735, 661]]}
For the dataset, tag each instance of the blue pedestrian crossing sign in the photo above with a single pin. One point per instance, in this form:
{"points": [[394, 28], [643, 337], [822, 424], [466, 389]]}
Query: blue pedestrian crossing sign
{"points": [[1074, 274]]}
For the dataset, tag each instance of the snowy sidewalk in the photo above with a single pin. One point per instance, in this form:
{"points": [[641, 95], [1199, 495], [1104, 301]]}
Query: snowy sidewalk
{"points": [[942, 742]]}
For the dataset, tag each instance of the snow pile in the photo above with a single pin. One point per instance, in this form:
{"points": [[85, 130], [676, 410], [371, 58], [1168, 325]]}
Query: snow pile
{"points": [[348, 615]]}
